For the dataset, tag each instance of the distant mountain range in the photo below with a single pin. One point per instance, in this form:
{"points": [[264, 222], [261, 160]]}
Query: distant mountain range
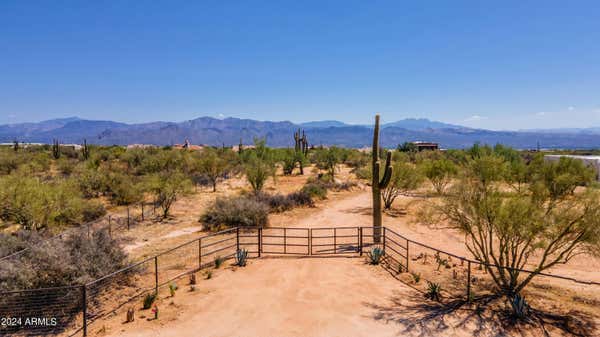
{"points": [[229, 131]]}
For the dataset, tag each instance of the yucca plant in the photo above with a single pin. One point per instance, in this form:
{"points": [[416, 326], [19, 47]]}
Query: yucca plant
{"points": [[241, 256], [375, 255], [149, 300], [416, 277], [434, 291], [520, 307]]}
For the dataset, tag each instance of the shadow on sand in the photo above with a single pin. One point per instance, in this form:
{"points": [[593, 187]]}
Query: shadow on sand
{"points": [[485, 316]]}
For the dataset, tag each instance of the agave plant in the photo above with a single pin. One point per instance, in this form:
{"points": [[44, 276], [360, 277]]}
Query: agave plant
{"points": [[519, 306], [241, 256], [375, 255], [434, 291]]}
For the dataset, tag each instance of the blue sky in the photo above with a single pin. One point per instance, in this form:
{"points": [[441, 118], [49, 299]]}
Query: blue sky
{"points": [[497, 65]]}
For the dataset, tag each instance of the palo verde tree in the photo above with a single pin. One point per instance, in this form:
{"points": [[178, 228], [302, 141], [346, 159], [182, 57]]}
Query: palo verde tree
{"points": [[257, 172], [328, 159], [378, 184], [166, 188], [439, 172], [505, 230], [213, 165], [406, 177]]}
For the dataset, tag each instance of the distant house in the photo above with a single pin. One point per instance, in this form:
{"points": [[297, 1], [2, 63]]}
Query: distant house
{"points": [[421, 146], [590, 161], [418, 146], [236, 148], [188, 146], [140, 146]]}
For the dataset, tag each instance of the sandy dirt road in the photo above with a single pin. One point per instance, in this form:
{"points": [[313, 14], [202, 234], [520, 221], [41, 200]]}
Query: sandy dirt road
{"points": [[286, 297]]}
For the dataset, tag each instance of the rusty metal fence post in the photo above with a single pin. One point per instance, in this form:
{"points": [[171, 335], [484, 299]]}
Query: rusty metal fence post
{"points": [[199, 253], [360, 240], [109, 227], [84, 309], [407, 253], [334, 240], [384, 235], [237, 239], [468, 280], [310, 241], [156, 274], [259, 241], [308, 249]]}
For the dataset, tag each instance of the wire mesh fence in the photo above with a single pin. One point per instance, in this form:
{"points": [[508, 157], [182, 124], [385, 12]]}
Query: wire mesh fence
{"points": [[73, 309], [40, 311], [114, 224]]}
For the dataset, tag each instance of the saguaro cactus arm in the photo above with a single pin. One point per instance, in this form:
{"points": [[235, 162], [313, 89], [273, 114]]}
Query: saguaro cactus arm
{"points": [[387, 175]]}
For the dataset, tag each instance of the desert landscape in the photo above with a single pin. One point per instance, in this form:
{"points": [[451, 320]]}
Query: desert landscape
{"points": [[315, 168], [317, 291]]}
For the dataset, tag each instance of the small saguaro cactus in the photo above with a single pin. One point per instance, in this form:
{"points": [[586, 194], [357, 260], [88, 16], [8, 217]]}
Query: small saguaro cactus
{"points": [[16, 145], [377, 183], [240, 146], [55, 149], [85, 150]]}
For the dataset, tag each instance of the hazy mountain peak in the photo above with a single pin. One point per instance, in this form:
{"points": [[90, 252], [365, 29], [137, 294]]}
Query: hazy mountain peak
{"points": [[323, 124], [421, 124]]}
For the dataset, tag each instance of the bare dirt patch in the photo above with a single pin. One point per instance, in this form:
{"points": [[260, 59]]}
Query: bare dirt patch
{"points": [[278, 297]]}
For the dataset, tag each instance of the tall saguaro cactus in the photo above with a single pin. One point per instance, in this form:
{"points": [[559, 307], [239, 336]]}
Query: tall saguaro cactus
{"points": [[301, 148], [377, 183]]}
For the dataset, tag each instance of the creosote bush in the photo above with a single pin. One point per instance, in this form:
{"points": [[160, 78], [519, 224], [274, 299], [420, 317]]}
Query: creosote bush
{"points": [[314, 190], [236, 211], [75, 260]]}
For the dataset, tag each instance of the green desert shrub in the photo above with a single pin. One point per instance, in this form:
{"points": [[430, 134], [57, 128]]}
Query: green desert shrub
{"points": [[315, 190], [236, 211], [301, 198], [149, 300], [276, 202]]}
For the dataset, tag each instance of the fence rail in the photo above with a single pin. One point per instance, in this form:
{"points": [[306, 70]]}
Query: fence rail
{"points": [[75, 308]]}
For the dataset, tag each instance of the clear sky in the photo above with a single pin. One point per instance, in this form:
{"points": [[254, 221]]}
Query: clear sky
{"points": [[491, 64]]}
